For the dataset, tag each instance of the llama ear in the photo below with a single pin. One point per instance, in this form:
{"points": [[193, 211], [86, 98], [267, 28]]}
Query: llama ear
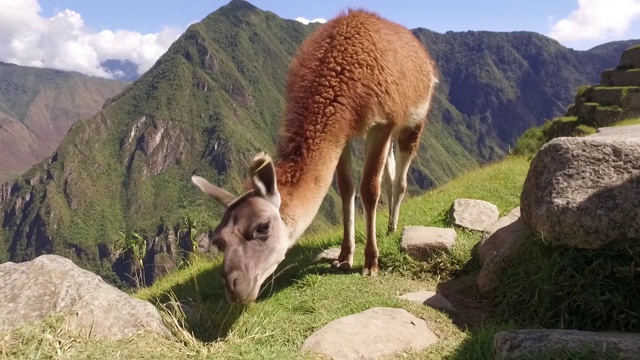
{"points": [[218, 194], [263, 176]]}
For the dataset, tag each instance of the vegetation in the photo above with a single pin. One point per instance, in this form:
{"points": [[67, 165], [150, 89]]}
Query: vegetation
{"points": [[563, 287], [218, 92], [134, 248], [634, 121], [304, 294], [533, 139]]}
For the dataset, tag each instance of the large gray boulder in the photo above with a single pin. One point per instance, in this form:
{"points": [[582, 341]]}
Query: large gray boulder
{"points": [[538, 342], [473, 214], [583, 192], [372, 334], [500, 243], [51, 284]]}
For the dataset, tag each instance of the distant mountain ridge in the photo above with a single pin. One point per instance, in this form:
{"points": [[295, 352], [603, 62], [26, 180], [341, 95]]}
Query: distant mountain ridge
{"points": [[124, 70], [37, 108], [215, 98]]}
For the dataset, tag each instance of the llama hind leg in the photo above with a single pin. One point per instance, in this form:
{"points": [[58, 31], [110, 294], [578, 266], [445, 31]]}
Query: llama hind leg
{"points": [[388, 176], [376, 150], [407, 145], [347, 194]]}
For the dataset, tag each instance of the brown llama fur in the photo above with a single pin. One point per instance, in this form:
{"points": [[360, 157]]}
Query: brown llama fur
{"points": [[350, 72], [357, 75]]}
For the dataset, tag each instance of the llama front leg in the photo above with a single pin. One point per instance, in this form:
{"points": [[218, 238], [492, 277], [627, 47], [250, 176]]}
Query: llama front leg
{"points": [[347, 194], [376, 149]]}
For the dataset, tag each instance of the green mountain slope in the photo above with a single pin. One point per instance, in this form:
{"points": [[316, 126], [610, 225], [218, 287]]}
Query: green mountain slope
{"points": [[207, 106], [505, 83], [37, 108]]}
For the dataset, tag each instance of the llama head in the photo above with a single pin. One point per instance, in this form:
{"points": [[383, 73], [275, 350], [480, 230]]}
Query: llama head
{"points": [[251, 233]]}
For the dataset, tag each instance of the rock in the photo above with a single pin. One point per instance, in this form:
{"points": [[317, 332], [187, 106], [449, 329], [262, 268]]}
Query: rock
{"points": [[630, 58], [328, 255], [421, 241], [473, 214], [630, 108], [499, 244], [371, 334], [630, 132], [537, 342], [583, 192], [429, 298], [51, 284]]}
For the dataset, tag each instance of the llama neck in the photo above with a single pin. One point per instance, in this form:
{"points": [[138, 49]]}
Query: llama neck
{"points": [[303, 184]]}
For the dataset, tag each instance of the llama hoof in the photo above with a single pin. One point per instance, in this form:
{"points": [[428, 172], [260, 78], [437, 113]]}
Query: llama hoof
{"points": [[341, 265], [370, 272], [391, 230]]}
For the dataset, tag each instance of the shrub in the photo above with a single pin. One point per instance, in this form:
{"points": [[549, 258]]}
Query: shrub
{"points": [[531, 141]]}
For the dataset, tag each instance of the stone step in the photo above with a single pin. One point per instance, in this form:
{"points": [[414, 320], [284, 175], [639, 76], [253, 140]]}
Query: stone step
{"points": [[593, 114], [535, 343], [586, 112], [606, 116], [631, 102], [616, 77], [607, 96]]}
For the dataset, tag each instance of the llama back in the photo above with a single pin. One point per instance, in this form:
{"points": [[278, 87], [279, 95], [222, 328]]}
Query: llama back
{"points": [[356, 68]]}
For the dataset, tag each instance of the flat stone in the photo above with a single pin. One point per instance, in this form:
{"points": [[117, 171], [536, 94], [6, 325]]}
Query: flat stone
{"points": [[429, 298], [372, 334], [499, 244], [52, 284], [473, 214], [536, 342], [421, 241], [328, 255]]}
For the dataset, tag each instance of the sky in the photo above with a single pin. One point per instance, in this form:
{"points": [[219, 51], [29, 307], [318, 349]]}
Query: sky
{"points": [[79, 35]]}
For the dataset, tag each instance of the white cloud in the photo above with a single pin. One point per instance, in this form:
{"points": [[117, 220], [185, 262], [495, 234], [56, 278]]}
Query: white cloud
{"points": [[307, 21], [64, 42], [597, 20]]}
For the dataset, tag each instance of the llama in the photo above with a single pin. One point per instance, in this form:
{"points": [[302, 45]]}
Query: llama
{"points": [[357, 75]]}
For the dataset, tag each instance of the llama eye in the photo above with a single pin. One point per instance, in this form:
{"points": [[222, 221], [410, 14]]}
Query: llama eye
{"points": [[262, 230]]}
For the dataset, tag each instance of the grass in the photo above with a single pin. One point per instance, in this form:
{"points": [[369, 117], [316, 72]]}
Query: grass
{"points": [[634, 121], [570, 288], [305, 295]]}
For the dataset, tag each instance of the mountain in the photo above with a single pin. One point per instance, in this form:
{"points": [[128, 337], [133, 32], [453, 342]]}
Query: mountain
{"points": [[215, 98], [37, 108], [124, 70], [502, 84]]}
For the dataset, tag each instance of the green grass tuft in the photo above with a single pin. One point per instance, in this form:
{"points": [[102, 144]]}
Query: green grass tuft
{"points": [[634, 121], [562, 287]]}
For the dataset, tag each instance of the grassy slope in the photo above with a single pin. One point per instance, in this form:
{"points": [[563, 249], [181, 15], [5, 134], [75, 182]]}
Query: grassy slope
{"points": [[306, 295]]}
